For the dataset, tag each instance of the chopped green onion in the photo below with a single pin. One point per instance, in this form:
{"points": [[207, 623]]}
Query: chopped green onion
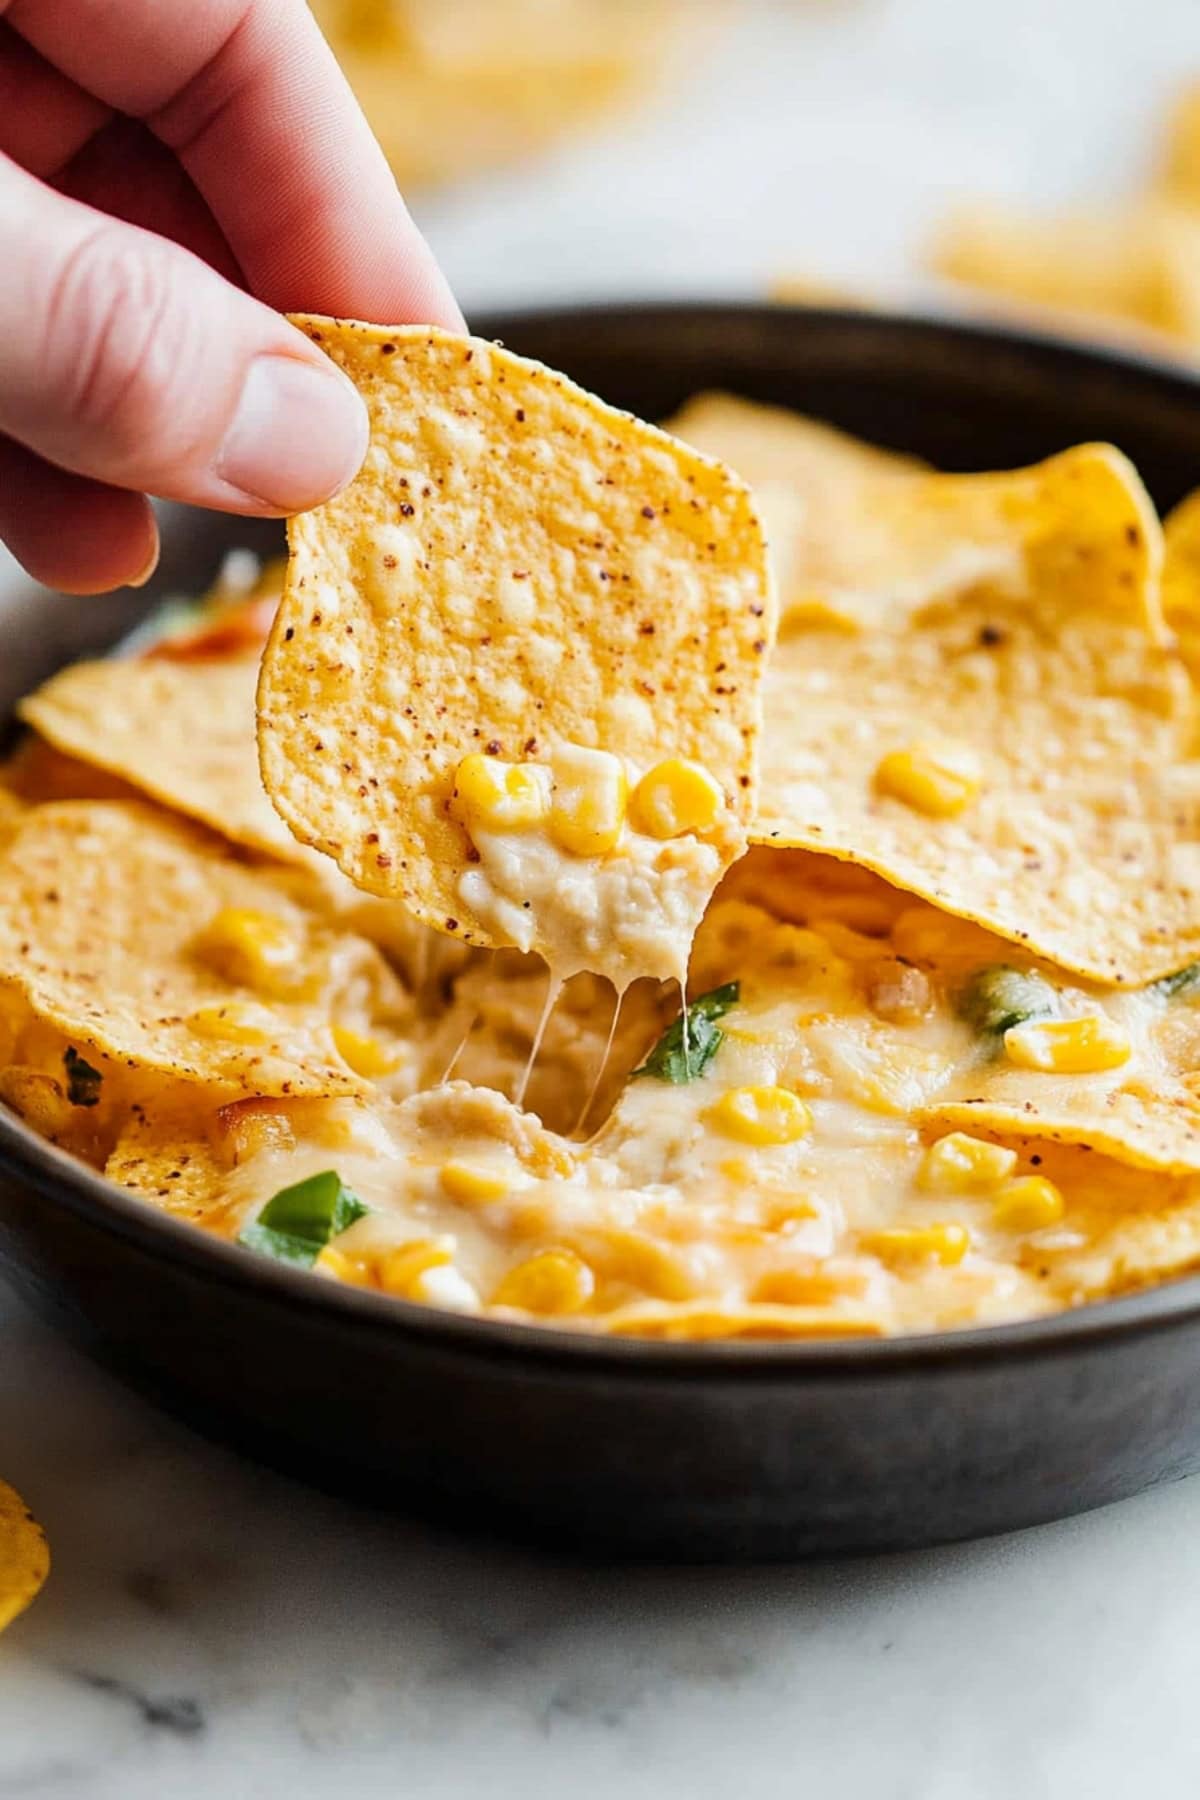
{"points": [[997, 998], [687, 1047], [83, 1082], [1178, 983], [296, 1223]]}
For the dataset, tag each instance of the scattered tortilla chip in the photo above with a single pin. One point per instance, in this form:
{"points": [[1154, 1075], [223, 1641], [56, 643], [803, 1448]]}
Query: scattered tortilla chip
{"points": [[1138, 268], [814, 486], [24, 1555], [104, 935], [1181, 579], [1179, 163], [516, 568], [199, 716], [1005, 631], [164, 1156], [467, 85]]}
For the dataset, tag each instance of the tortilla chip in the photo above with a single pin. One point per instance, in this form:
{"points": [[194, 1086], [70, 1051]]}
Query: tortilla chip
{"points": [[1011, 624], [470, 84], [199, 717], [814, 485], [1179, 166], [1138, 269], [103, 931], [518, 566], [24, 1555], [163, 1156], [1181, 580]]}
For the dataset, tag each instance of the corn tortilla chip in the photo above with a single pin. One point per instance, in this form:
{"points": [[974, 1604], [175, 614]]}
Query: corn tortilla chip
{"points": [[517, 567], [466, 85], [103, 934], [1136, 270], [814, 485], [24, 1555], [1009, 624], [199, 716]]}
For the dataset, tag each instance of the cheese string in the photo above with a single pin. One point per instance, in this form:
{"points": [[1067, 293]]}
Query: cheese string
{"points": [[554, 987], [577, 1128]]}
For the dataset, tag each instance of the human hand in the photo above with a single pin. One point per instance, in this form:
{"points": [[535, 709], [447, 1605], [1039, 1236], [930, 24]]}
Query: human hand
{"points": [[170, 174]]}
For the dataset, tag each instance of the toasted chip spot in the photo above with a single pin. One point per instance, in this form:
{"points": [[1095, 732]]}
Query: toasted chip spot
{"points": [[1067, 1046], [941, 782], [675, 797]]}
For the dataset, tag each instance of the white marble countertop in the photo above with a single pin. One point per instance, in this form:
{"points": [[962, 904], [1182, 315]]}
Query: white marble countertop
{"points": [[211, 1628]]}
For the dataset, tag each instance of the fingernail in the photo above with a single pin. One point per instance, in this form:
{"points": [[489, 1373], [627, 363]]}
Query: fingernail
{"points": [[299, 434], [140, 580]]}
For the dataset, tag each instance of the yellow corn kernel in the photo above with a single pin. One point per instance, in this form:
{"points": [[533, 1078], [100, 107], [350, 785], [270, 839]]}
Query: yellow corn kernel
{"points": [[938, 782], [490, 795], [341, 1267], [1030, 1204], [365, 1055], [956, 1164], [473, 1183], [761, 1115], [553, 1281], [946, 1244], [233, 1023], [1067, 1046], [255, 949], [587, 809], [401, 1269], [675, 797]]}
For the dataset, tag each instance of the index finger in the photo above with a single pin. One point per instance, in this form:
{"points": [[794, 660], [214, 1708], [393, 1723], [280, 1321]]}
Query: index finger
{"points": [[249, 96]]}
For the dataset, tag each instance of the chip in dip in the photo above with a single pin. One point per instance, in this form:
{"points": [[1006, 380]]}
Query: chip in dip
{"points": [[515, 677], [878, 1115], [976, 696]]}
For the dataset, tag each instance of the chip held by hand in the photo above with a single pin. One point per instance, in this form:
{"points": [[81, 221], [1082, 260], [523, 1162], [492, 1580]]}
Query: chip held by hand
{"points": [[526, 604]]}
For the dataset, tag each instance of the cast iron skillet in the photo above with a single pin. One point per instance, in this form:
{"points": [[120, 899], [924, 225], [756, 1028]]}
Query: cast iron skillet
{"points": [[674, 1450]]}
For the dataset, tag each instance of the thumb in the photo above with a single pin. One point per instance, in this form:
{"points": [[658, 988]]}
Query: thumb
{"points": [[126, 358]]}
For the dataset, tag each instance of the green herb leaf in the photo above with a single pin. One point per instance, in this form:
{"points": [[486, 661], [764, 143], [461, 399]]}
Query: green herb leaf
{"points": [[687, 1047], [83, 1082], [296, 1223], [1178, 983], [997, 998]]}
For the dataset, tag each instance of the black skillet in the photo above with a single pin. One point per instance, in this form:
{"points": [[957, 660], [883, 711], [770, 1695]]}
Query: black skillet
{"points": [[672, 1450]]}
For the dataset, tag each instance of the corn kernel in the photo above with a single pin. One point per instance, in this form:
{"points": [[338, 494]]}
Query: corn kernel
{"points": [[365, 1055], [946, 1244], [553, 1281], [341, 1267], [675, 797], [938, 782], [490, 795], [957, 1163], [1067, 1046], [402, 1268], [255, 949], [587, 810], [1030, 1204], [761, 1115], [473, 1184], [233, 1023]]}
